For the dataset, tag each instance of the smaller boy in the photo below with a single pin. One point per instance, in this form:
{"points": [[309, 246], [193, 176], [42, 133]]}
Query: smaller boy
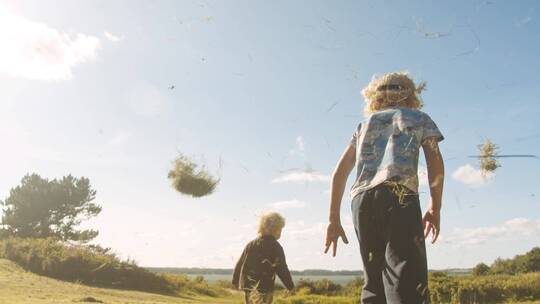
{"points": [[261, 260]]}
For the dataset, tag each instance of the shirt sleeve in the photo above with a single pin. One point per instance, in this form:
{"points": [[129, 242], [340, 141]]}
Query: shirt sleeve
{"points": [[282, 270], [238, 267], [430, 130], [354, 138]]}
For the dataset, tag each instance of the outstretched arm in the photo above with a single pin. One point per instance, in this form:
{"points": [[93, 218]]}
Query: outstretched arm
{"points": [[435, 166], [339, 180]]}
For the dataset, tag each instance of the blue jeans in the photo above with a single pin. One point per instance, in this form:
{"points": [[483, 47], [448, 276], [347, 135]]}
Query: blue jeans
{"points": [[388, 226]]}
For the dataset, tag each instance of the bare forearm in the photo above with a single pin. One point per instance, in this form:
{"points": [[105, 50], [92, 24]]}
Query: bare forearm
{"points": [[436, 181], [339, 180]]}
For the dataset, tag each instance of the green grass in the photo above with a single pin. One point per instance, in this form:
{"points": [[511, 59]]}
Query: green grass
{"points": [[18, 286], [315, 299]]}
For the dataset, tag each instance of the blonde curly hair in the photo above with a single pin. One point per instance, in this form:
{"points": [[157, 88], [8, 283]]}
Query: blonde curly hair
{"points": [[270, 222], [392, 89]]}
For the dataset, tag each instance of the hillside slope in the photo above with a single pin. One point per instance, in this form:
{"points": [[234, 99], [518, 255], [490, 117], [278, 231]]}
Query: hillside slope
{"points": [[18, 286]]}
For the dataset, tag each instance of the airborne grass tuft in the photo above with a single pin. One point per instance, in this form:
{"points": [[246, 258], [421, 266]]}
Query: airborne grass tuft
{"points": [[187, 179], [488, 154]]}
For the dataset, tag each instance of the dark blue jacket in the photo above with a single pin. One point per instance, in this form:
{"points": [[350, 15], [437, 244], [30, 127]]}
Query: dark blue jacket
{"points": [[258, 265]]}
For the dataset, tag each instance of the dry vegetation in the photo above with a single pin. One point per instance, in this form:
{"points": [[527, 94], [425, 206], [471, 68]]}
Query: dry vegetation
{"points": [[75, 265], [488, 154], [99, 267], [187, 179], [21, 287]]}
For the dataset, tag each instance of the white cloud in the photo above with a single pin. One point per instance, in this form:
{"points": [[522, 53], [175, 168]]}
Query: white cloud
{"points": [[299, 148], [301, 176], [292, 204], [513, 228], [521, 22], [470, 176], [112, 37], [301, 231], [34, 50]]}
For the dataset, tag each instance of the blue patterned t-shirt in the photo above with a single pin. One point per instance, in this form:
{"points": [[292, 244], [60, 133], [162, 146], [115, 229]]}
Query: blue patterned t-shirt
{"points": [[387, 147]]}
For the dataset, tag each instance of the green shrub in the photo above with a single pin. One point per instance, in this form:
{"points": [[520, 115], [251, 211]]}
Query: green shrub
{"points": [[94, 265], [521, 263], [315, 299], [319, 287], [197, 286], [353, 288], [91, 265], [481, 269], [484, 289], [227, 284], [443, 289]]}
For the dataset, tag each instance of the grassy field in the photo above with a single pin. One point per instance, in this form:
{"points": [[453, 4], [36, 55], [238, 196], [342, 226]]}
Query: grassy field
{"points": [[18, 286], [338, 279]]}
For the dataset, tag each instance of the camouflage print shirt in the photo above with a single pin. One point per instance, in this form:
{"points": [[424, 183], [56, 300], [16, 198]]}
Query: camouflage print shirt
{"points": [[387, 147]]}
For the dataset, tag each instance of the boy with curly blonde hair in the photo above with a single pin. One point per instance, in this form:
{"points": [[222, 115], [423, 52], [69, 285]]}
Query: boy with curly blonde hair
{"points": [[385, 204], [261, 260]]}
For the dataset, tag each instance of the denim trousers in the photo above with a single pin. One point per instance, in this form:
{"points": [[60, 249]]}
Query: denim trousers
{"points": [[388, 225]]}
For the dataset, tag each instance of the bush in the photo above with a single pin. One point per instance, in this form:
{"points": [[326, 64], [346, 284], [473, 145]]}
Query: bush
{"points": [[197, 286], [315, 299], [91, 265], [227, 284], [501, 266], [481, 269], [94, 265], [319, 287], [524, 263], [443, 289], [484, 289], [354, 287]]}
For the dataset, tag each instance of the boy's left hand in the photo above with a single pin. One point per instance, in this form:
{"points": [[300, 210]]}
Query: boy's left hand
{"points": [[432, 223]]}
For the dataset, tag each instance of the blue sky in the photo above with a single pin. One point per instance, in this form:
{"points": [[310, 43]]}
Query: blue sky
{"points": [[266, 87]]}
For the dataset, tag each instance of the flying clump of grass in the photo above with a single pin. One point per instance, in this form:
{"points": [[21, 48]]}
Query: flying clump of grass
{"points": [[488, 157], [188, 179]]}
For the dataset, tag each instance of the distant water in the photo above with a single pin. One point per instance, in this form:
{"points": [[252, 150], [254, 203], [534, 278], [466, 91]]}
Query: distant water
{"points": [[339, 279]]}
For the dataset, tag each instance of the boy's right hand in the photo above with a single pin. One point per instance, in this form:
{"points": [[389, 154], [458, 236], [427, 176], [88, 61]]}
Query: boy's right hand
{"points": [[333, 232]]}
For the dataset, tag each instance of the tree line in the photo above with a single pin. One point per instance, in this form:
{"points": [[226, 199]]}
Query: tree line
{"points": [[521, 263]]}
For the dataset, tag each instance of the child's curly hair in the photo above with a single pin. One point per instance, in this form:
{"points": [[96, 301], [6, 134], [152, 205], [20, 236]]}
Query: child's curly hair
{"points": [[392, 89], [270, 222]]}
